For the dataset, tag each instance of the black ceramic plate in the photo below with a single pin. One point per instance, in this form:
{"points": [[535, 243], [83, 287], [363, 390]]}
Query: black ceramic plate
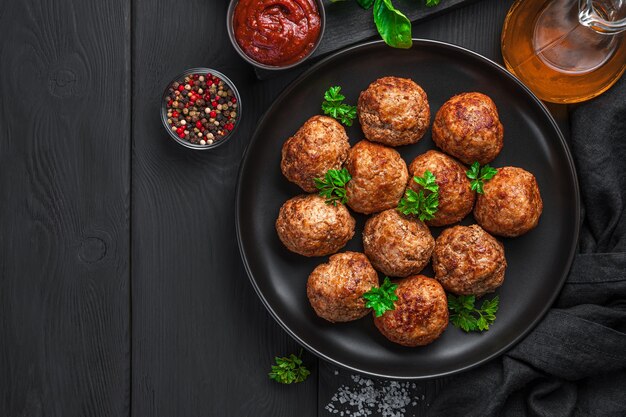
{"points": [[538, 261]]}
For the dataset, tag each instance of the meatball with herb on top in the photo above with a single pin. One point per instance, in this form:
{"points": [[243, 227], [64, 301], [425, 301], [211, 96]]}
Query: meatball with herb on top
{"points": [[456, 198], [319, 145], [467, 260], [420, 315], [394, 111], [310, 227], [397, 245], [335, 289], [510, 204], [468, 127], [379, 177]]}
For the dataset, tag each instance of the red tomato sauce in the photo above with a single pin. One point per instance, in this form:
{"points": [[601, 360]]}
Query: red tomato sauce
{"points": [[276, 32]]}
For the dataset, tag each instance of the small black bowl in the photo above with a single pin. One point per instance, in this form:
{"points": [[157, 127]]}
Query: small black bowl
{"points": [[186, 143], [231, 34]]}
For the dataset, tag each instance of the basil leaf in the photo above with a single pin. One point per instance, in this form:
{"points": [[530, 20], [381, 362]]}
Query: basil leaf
{"points": [[366, 4], [393, 26]]}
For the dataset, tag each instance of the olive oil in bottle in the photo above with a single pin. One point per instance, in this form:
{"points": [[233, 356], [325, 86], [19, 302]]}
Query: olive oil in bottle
{"points": [[566, 51]]}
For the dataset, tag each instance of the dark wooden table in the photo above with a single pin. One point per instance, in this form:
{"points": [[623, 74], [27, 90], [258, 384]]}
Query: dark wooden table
{"points": [[121, 287]]}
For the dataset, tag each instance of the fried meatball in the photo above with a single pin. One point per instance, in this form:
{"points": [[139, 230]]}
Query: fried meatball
{"points": [[468, 127], [421, 313], [397, 246], [310, 227], [379, 177], [467, 260], [394, 111], [456, 197], [511, 203], [319, 145], [335, 288]]}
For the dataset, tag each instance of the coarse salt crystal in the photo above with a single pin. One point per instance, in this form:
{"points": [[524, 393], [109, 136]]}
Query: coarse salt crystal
{"points": [[366, 396]]}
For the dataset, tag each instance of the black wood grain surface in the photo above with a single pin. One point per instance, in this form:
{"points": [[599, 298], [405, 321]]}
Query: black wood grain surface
{"points": [[64, 217], [202, 341], [106, 222]]}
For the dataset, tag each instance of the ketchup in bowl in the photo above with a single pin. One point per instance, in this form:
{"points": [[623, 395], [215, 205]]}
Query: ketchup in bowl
{"points": [[276, 32]]}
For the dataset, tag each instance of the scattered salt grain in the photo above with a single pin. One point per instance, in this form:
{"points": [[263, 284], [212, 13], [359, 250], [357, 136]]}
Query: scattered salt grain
{"points": [[365, 396]]}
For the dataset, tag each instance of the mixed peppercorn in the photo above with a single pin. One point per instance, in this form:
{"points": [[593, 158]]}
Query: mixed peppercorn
{"points": [[201, 108]]}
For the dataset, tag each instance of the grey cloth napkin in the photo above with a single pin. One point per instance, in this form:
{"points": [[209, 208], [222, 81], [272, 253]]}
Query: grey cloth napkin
{"points": [[574, 362]]}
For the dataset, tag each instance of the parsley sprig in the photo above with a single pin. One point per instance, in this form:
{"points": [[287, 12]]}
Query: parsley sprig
{"points": [[465, 315], [334, 106], [333, 186], [289, 369], [420, 203], [381, 298], [479, 175]]}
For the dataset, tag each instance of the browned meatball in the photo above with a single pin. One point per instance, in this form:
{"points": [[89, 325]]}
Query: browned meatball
{"points": [[394, 111], [379, 177], [468, 127], [335, 288], [456, 197], [421, 313], [467, 260], [319, 145], [397, 246], [310, 227], [511, 203]]}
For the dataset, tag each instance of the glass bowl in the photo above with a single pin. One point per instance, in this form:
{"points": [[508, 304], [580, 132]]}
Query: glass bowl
{"points": [[184, 142], [231, 34]]}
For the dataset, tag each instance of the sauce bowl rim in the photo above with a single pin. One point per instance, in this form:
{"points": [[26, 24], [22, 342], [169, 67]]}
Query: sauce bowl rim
{"points": [[230, 14]]}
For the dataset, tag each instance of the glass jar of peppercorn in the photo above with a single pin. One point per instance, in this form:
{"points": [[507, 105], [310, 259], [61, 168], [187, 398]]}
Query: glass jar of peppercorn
{"points": [[201, 108]]}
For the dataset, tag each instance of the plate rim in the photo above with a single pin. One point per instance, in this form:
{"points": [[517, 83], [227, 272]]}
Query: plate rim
{"points": [[521, 335]]}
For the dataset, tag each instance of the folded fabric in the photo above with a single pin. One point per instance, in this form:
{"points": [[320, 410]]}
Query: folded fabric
{"points": [[574, 362]]}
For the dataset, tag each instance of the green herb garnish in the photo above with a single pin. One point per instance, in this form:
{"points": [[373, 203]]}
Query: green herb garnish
{"points": [[381, 298], [463, 314], [333, 186], [419, 203], [334, 106], [394, 27], [289, 369], [428, 181], [479, 175], [366, 4]]}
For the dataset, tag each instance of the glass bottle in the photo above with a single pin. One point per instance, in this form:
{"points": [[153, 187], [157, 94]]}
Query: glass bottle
{"points": [[566, 51]]}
